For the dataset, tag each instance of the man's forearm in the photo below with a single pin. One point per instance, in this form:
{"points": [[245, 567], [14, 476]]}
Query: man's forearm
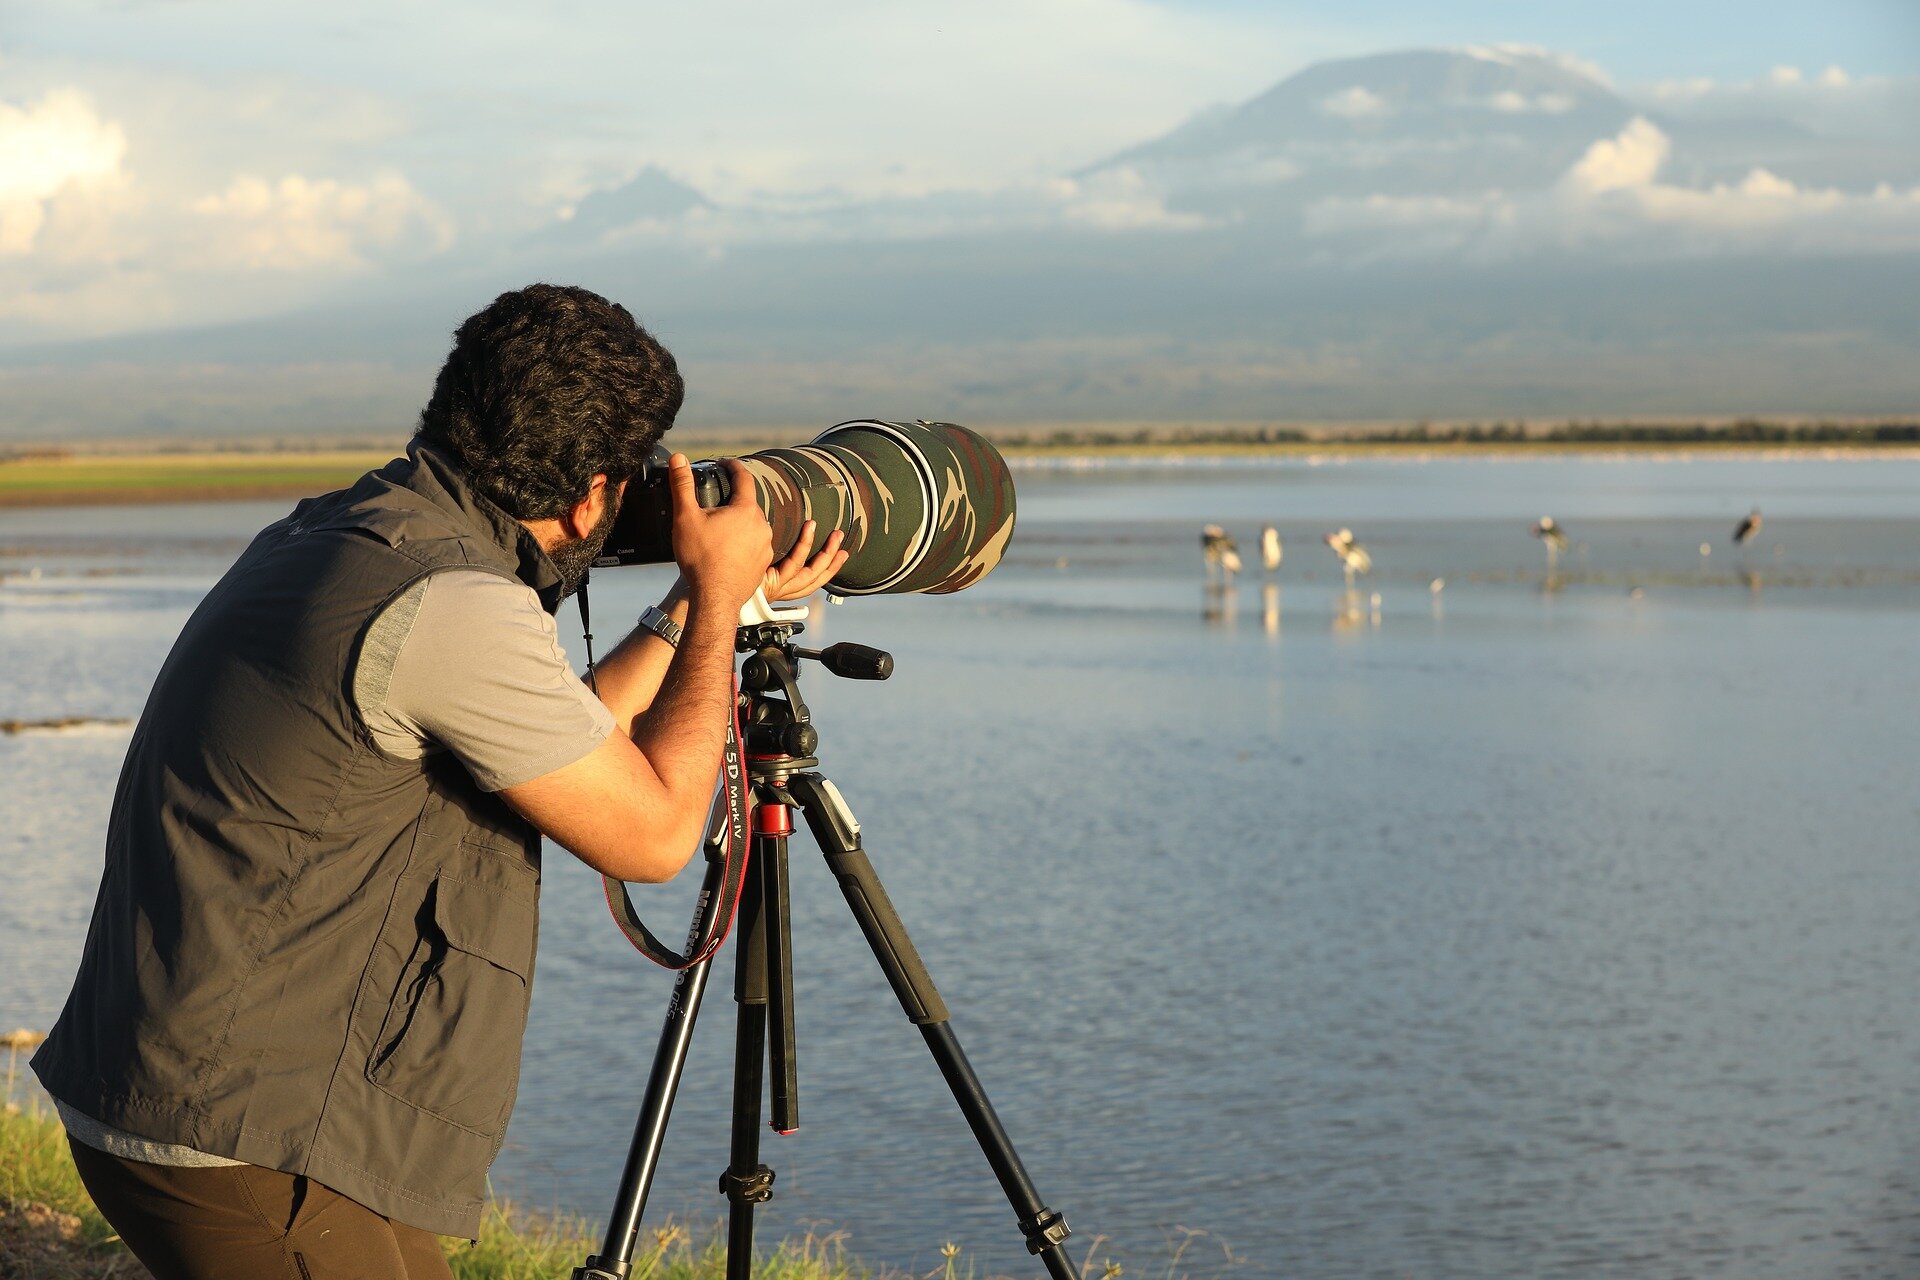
{"points": [[682, 729], [628, 679]]}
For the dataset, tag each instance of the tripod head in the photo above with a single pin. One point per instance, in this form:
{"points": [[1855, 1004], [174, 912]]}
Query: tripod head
{"points": [[778, 726]]}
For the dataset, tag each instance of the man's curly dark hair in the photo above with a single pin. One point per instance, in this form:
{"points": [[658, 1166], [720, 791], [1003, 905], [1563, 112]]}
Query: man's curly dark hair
{"points": [[546, 387]]}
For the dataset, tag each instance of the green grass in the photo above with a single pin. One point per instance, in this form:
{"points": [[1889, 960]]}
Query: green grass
{"points": [[107, 477], [50, 1229]]}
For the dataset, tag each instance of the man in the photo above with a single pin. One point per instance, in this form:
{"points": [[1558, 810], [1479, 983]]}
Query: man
{"points": [[293, 1043]]}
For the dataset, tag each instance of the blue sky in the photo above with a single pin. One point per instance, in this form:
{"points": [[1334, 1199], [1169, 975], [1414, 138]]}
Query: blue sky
{"points": [[1635, 39]]}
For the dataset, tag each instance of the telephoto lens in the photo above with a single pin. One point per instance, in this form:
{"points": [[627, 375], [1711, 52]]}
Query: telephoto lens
{"points": [[922, 506]]}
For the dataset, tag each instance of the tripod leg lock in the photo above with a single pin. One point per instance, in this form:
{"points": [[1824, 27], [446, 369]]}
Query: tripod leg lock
{"points": [[1044, 1230], [599, 1268], [753, 1187]]}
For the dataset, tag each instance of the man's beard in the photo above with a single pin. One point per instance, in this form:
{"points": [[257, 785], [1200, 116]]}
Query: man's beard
{"points": [[572, 559]]}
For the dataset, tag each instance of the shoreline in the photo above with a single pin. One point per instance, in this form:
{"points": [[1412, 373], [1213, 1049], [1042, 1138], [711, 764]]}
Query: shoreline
{"points": [[83, 480]]}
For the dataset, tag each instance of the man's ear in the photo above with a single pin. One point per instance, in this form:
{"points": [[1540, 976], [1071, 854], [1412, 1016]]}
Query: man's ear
{"points": [[586, 513]]}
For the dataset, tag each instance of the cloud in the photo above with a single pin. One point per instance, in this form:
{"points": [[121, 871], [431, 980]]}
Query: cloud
{"points": [[1781, 79], [58, 146], [1510, 55], [1629, 160], [1834, 102], [298, 223], [136, 198], [1614, 192], [1612, 200], [1514, 103], [1764, 210], [1355, 103], [1119, 200]]}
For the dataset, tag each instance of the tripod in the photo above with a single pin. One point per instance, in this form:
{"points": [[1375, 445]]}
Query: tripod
{"points": [[780, 742]]}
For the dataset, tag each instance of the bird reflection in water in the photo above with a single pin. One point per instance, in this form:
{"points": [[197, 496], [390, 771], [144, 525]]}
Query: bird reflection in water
{"points": [[1219, 603], [1352, 612]]}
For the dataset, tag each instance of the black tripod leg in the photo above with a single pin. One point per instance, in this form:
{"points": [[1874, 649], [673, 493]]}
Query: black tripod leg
{"points": [[783, 1052], [615, 1258], [747, 1182], [838, 833]]}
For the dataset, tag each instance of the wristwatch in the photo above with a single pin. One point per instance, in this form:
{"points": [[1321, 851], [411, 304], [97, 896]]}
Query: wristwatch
{"points": [[656, 621]]}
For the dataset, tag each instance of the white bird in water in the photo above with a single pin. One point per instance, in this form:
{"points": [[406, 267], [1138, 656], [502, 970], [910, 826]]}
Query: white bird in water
{"points": [[1555, 538], [1219, 548], [1270, 548], [1748, 530], [1352, 555]]}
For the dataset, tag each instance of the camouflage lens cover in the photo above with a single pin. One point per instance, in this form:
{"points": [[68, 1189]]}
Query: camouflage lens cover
{"points": [[940, 504]]}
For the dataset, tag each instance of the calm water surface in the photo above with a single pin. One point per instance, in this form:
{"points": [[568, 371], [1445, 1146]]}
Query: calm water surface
{"points": [[1508, 932]]}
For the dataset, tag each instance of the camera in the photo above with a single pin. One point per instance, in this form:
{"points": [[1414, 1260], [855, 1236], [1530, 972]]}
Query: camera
{"points": [[921, 506]]}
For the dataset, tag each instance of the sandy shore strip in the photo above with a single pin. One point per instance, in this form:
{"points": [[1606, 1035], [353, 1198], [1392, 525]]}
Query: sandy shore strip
{"points": [[54, 478]]}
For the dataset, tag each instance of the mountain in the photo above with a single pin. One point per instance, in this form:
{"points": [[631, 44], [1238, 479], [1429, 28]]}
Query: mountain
{"points": [[651, 196], [1445, 233], [1426, 121]]}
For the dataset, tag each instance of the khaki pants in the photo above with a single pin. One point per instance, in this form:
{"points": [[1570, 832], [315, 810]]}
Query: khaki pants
{"points": [[241, 1222]]}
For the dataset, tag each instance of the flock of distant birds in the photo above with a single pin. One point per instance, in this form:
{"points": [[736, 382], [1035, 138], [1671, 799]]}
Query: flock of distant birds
{"points": [[1222, 554]]}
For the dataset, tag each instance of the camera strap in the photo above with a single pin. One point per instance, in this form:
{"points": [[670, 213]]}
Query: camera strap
{"points": [[727, 843]]}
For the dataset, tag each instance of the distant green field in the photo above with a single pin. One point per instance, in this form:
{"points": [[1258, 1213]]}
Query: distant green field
{"points": [[158, 477]]}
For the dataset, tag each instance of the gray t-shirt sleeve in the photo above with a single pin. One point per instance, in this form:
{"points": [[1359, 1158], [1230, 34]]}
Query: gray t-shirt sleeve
{"points": [[467, 661]]}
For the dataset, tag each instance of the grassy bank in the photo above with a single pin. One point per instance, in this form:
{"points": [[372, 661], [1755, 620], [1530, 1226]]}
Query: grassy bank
{"points": [[56, 475], [49, 1230], [49, 480]]}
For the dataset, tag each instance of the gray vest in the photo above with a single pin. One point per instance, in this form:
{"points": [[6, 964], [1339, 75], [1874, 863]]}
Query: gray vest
{"points": [[306, 955]]}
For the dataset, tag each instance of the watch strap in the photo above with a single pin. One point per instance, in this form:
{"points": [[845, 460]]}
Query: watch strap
{"points": [[655, 619]]}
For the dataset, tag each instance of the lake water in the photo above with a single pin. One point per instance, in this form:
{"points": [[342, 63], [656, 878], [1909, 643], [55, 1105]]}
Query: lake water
{"points": [[1503, 932]]}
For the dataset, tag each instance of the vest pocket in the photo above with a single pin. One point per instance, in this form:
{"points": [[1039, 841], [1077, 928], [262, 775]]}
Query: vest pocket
{"points": [[450, 1042]]}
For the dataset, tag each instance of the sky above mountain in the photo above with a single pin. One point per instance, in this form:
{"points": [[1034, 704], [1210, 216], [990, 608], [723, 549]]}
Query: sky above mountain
{"points": [[226, 216]]}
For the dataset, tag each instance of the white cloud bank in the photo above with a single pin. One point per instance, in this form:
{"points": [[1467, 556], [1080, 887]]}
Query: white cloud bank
{"points": [[56, 147], [1631, 159], [1612, 198], [1832, 101], [298, 223], [97, 234], [1118, 200]]}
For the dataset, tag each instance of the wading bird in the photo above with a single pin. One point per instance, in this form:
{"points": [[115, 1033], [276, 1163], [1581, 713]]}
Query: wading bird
{"points": [[1270, 548], [1353, 556], [1219, 550], [1748, 530], [1555, 538]]}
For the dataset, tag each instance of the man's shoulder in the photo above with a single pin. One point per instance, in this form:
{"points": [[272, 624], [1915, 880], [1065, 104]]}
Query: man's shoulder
{"points": [[444, 620], [478, 594], [477, 614]]}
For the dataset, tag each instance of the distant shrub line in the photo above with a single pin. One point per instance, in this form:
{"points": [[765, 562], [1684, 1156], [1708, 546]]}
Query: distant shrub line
{"points": [[1744, 431]]}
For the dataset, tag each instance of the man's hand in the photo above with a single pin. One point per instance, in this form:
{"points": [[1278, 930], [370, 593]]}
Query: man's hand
{"points": [[723, 552], [796, 577]]}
